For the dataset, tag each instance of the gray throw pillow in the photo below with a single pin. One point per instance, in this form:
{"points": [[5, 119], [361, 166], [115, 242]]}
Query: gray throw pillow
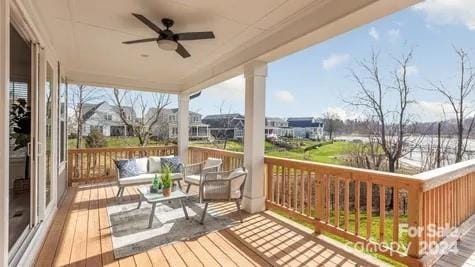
{"points": [[173, 163], [126, 167]]}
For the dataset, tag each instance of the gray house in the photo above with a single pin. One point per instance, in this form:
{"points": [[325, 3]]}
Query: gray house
{"points": [[222, 126], [105, 118], [306, 127]]}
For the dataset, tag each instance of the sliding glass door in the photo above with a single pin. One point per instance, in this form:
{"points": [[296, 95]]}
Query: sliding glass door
{"points": [[22, 170], [31, 166]]}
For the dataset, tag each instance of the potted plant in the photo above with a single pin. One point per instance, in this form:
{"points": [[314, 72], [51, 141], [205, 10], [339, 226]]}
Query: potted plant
{"points": [[20, 123], [166, 181], [156, 185]]}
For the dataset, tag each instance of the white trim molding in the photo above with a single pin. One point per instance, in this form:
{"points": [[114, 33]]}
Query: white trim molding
{"points": [[4, 120]]}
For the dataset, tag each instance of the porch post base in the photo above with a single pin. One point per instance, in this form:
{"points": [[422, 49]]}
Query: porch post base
{"points": [[254, 205]]}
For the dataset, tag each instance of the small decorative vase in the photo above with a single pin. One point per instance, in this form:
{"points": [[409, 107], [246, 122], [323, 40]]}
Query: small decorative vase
{"points": [[153, 189], [166, 192]]}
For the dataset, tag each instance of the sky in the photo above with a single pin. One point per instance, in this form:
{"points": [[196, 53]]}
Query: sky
{"points": [[317, 79]]}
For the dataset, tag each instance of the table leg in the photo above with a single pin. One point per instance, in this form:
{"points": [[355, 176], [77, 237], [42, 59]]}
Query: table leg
{"points": [[140, 201], [150, 220], [184, 208]]}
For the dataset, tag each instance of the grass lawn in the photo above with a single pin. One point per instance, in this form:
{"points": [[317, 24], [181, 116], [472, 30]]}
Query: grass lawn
{"points": [[231, 145], [329, 153]]}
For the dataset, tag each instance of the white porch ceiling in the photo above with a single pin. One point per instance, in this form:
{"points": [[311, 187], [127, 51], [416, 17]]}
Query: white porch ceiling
{"points": [[87, 36]]}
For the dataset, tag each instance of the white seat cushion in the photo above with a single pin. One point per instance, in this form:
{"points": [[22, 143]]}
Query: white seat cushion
{"points": [[213, 162], [236, 183], [141, 165], [193, 179], [235, 194], [146, 178]]}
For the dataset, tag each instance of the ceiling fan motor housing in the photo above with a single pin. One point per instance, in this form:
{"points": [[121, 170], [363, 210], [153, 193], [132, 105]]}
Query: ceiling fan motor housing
{"points": [[167, 22]]}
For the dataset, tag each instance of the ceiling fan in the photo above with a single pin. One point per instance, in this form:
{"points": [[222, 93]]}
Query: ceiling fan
{"points": [[167, 40]]}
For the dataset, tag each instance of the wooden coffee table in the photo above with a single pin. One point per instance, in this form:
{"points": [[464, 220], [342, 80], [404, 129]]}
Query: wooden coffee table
{"points": [[154, 198]]}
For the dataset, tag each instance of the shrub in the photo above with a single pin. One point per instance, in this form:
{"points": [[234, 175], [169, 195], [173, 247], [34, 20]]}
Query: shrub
{"points": [[95, 139]]}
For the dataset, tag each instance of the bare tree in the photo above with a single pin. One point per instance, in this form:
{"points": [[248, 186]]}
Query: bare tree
{"points": [[458, 98], [434, 153], [331, 123], [141, 125], [78, 96], [391, 124]]}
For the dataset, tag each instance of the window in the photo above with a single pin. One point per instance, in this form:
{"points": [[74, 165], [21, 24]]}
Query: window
{"points": [[62, 118], [171, 118], [49, 136], [108, 117]]}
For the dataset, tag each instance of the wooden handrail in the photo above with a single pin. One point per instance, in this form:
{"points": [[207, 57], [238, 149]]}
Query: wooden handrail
{"points": [[437, 177], [331, 169], [92, 164]]}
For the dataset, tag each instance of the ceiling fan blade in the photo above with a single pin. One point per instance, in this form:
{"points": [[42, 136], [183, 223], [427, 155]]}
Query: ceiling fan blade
{"points": [[182, 51], [147, 22], [140, 41], [194, 36]]}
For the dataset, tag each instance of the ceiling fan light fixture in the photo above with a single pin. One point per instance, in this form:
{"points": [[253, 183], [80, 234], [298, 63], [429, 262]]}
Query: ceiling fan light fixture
{"points": [[168, 45]]}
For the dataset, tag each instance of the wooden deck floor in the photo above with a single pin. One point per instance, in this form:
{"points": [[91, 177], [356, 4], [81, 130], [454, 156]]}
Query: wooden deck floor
{"points": [[465, 255], [80, 236]]}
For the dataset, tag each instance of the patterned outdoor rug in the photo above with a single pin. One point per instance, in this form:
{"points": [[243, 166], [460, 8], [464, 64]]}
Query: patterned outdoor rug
{"points": [[131, 235]]}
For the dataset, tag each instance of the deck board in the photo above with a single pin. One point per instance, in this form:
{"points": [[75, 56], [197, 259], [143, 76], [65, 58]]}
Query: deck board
{"points": [[80, 236], [465, 255]]}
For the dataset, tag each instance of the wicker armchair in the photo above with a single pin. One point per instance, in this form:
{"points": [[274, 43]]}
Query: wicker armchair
{"points": [[194, 173], [223, 186]]}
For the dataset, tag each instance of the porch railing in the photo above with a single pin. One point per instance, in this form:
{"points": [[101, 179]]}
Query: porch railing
{"points": [[400, 216], [231, 160], [92, 164], [393, 214]]}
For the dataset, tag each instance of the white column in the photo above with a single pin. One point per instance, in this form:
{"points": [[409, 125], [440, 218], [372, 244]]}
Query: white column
{"points": [[4, 120], [183, 123], [255, 97]]}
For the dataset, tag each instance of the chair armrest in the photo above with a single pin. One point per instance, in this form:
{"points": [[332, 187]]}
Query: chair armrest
{"points": [[216, 174], [117, 174], [190, 168], [192, 165]]}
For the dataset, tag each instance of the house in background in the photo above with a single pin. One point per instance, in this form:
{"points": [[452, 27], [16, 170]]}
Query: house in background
{"points": [[278, 127], [225, 126], [306, 127], [105, 118], [167, 125]]}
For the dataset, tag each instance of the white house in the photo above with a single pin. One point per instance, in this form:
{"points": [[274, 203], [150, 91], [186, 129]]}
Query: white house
{"points": [[306, 127], [105, 118]]}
